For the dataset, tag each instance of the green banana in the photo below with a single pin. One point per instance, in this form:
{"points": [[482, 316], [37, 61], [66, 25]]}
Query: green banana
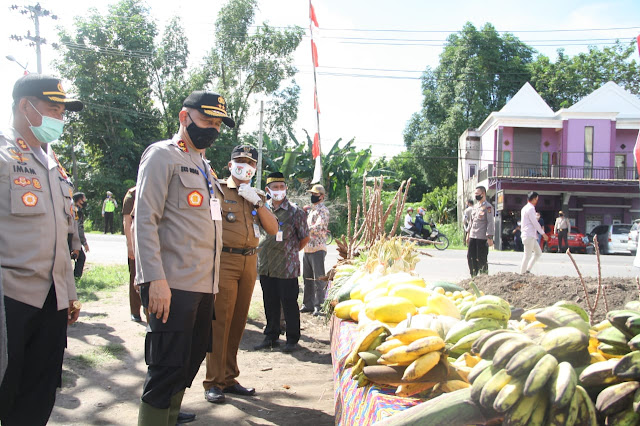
{"points": [[520, 413], [365, 339], [479, 383], [573, 307], [612, 336], [378, 341], [633, 324], [509, 395], [524, 360], [600, 374], [370, 357], [540, 413], [464, 308], [478, 344], [616, 398], [357, 369], [628, 367], [478, 369], [574, 408], [467, 341], [496, 312], [490, 299], [493, 386], [558, 415], [587, 415], [636, 401], [540, 374], [563, 340], [508, 349], [634, 344], [556, 316], [618, 319], [492, 345], [563, 385], [463, 328], [626, 417], [614, 350]]}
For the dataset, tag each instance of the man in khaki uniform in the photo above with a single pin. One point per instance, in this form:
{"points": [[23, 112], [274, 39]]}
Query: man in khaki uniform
{"points": [[35, 218], [481, 232], [178, 241], [243, 213], [127, 219]]}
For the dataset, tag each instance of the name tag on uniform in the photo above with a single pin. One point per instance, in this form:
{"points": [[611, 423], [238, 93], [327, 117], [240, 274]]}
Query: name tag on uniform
{"points": [[279, 236], [256, 230], [216, 213]]}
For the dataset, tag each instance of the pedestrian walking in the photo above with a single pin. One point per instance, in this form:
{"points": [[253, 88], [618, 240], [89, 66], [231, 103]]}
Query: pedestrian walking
{"points": [[109, 206], [37, 276], [80, 203], [178, 241], [530, 228], [279, 266], [481, 233], [562, 229], [315, 252], [243, 215]]}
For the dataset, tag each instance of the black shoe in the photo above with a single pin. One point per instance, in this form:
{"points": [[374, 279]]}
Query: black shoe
{"points": [[214, 395], [289, 347], [267, 344], [185, 418], [305, 310], [238, 389], [136, 318]]}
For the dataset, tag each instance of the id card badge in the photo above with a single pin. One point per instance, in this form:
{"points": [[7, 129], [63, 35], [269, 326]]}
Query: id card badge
{"points": [[256, 230], [216, 213], [279, 235]]}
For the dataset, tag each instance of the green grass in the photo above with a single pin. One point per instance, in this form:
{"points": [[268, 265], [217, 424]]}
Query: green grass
{"points": [[100, 356], [100, 278]]}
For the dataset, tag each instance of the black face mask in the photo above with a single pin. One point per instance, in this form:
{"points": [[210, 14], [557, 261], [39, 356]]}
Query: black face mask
{"points": [[479, 197], [315, 199], [202, 137]]}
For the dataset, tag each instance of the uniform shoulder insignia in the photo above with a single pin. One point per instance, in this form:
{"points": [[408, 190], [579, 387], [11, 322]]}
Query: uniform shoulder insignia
{"points": [[182, 145], [213, 173], [489, 209]]}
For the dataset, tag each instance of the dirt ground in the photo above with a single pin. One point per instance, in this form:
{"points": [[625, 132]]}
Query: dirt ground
{"points": [[530, 291], [104, 371]]}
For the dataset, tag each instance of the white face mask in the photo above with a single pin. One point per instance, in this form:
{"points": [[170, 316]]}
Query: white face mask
{"points": [[278, 195], [242, 171]]}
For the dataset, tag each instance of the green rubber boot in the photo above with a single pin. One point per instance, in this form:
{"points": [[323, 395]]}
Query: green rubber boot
{"points": [[174, 408], [152, 416]]}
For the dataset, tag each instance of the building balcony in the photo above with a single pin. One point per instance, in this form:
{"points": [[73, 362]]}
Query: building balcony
{"points": [[533, 171]]}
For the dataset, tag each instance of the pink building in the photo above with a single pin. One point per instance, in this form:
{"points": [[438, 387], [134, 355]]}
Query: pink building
{"points": [[580, 160]]}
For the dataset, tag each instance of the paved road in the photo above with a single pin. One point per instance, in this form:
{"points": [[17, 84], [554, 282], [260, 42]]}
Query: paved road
{"points": [[450, 265]]}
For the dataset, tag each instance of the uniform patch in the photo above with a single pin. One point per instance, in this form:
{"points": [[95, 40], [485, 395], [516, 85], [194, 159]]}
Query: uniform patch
{"points": [[30, 199], [183, 146], [22, 181], [23, 145], [17, 155], [195, 199], [36, 183]]}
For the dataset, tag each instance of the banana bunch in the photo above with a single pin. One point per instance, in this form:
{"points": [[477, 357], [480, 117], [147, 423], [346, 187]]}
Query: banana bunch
{"points": [[369, 339], [619, 334]]}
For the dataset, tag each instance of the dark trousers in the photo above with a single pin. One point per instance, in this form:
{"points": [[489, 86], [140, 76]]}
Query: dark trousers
{"points": [[283, 292], [477, 256], [174, 350], [134, 296], [562, 236], [77, 270], [108, 222], [312, 269], [36, 339]]}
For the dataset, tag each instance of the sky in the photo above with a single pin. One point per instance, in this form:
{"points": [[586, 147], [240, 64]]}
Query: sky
{"points": [[371, 52]]}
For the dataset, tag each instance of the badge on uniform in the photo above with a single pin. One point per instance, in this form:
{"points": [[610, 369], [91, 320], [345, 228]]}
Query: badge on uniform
{"points": [[23, 145], [22, 181], [216, 213], [195, 199], [29, 199], [256, 230], [182, 146], [36, 183], [279, 235]]}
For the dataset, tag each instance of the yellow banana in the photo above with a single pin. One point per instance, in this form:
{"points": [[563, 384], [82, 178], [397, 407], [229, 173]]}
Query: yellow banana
{"points": [[453, 385], [409, 335], [388, 345], [421, 366]]}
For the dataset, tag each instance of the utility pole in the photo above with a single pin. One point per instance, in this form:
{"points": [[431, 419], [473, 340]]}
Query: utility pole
{"points": [[34, 12], [259, 173]]}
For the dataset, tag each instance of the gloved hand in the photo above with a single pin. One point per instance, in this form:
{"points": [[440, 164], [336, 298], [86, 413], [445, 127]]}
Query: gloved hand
{"points": [[249, 193]]}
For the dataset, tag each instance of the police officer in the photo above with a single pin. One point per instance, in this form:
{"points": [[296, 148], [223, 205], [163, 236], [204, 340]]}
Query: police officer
{"points": [[243, 213], [79, 204], [108, 208], [481, 232], [178, 240], [35, 215]]}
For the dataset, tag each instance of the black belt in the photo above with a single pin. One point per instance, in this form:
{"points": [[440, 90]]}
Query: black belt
{"points": [[244, 252]]}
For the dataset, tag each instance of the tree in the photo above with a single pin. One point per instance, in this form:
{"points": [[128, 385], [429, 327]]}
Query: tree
{"points": [[567, 80], [479, 71]]}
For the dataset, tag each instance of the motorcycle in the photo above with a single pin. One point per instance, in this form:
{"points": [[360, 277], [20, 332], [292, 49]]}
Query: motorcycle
{"points": [[441, 241]]}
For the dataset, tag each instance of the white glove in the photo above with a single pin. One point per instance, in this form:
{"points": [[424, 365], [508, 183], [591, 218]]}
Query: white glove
{"points": [[249, 193]]}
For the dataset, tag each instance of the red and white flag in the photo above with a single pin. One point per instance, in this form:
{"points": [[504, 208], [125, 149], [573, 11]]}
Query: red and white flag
{"points": [[316, 152]]}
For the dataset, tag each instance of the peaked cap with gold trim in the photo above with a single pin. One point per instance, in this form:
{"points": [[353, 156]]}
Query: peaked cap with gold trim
{"points": [[210, 104], [44, 87]]}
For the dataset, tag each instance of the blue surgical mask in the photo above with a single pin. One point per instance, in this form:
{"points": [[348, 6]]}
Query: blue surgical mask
{"points": [[50, 129]]}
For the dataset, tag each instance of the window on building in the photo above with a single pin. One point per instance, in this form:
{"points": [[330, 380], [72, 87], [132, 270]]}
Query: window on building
{"points": [[620, 163], [472, 170], [506, 163], [546, 168], [588, 151]]}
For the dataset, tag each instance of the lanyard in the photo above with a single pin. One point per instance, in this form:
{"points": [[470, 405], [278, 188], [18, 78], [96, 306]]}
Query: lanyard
{"points": [[204, 173]]}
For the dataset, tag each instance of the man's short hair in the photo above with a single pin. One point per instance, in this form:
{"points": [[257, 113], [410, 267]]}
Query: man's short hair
{"points": [[78, 196], [469, 201], [532, 195], [482, 188]]}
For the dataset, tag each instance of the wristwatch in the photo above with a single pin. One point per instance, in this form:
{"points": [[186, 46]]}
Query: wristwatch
{"points": [[259, 204]]}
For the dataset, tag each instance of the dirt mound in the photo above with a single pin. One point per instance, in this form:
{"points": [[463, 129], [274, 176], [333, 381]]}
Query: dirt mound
{"points": [[530, 291]]}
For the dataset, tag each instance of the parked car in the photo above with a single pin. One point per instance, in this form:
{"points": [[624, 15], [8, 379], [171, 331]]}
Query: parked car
{"points": [[575, 239], [613, 238], [633, 237]]}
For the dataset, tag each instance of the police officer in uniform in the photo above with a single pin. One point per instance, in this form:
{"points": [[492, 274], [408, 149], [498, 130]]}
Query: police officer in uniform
{"points": [[178, 241], [481, 232], [243, 213], [35, 218], [108, 208]]}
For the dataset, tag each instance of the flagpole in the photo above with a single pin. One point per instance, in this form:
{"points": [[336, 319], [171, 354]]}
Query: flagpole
{"points": [[316, 101]]}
